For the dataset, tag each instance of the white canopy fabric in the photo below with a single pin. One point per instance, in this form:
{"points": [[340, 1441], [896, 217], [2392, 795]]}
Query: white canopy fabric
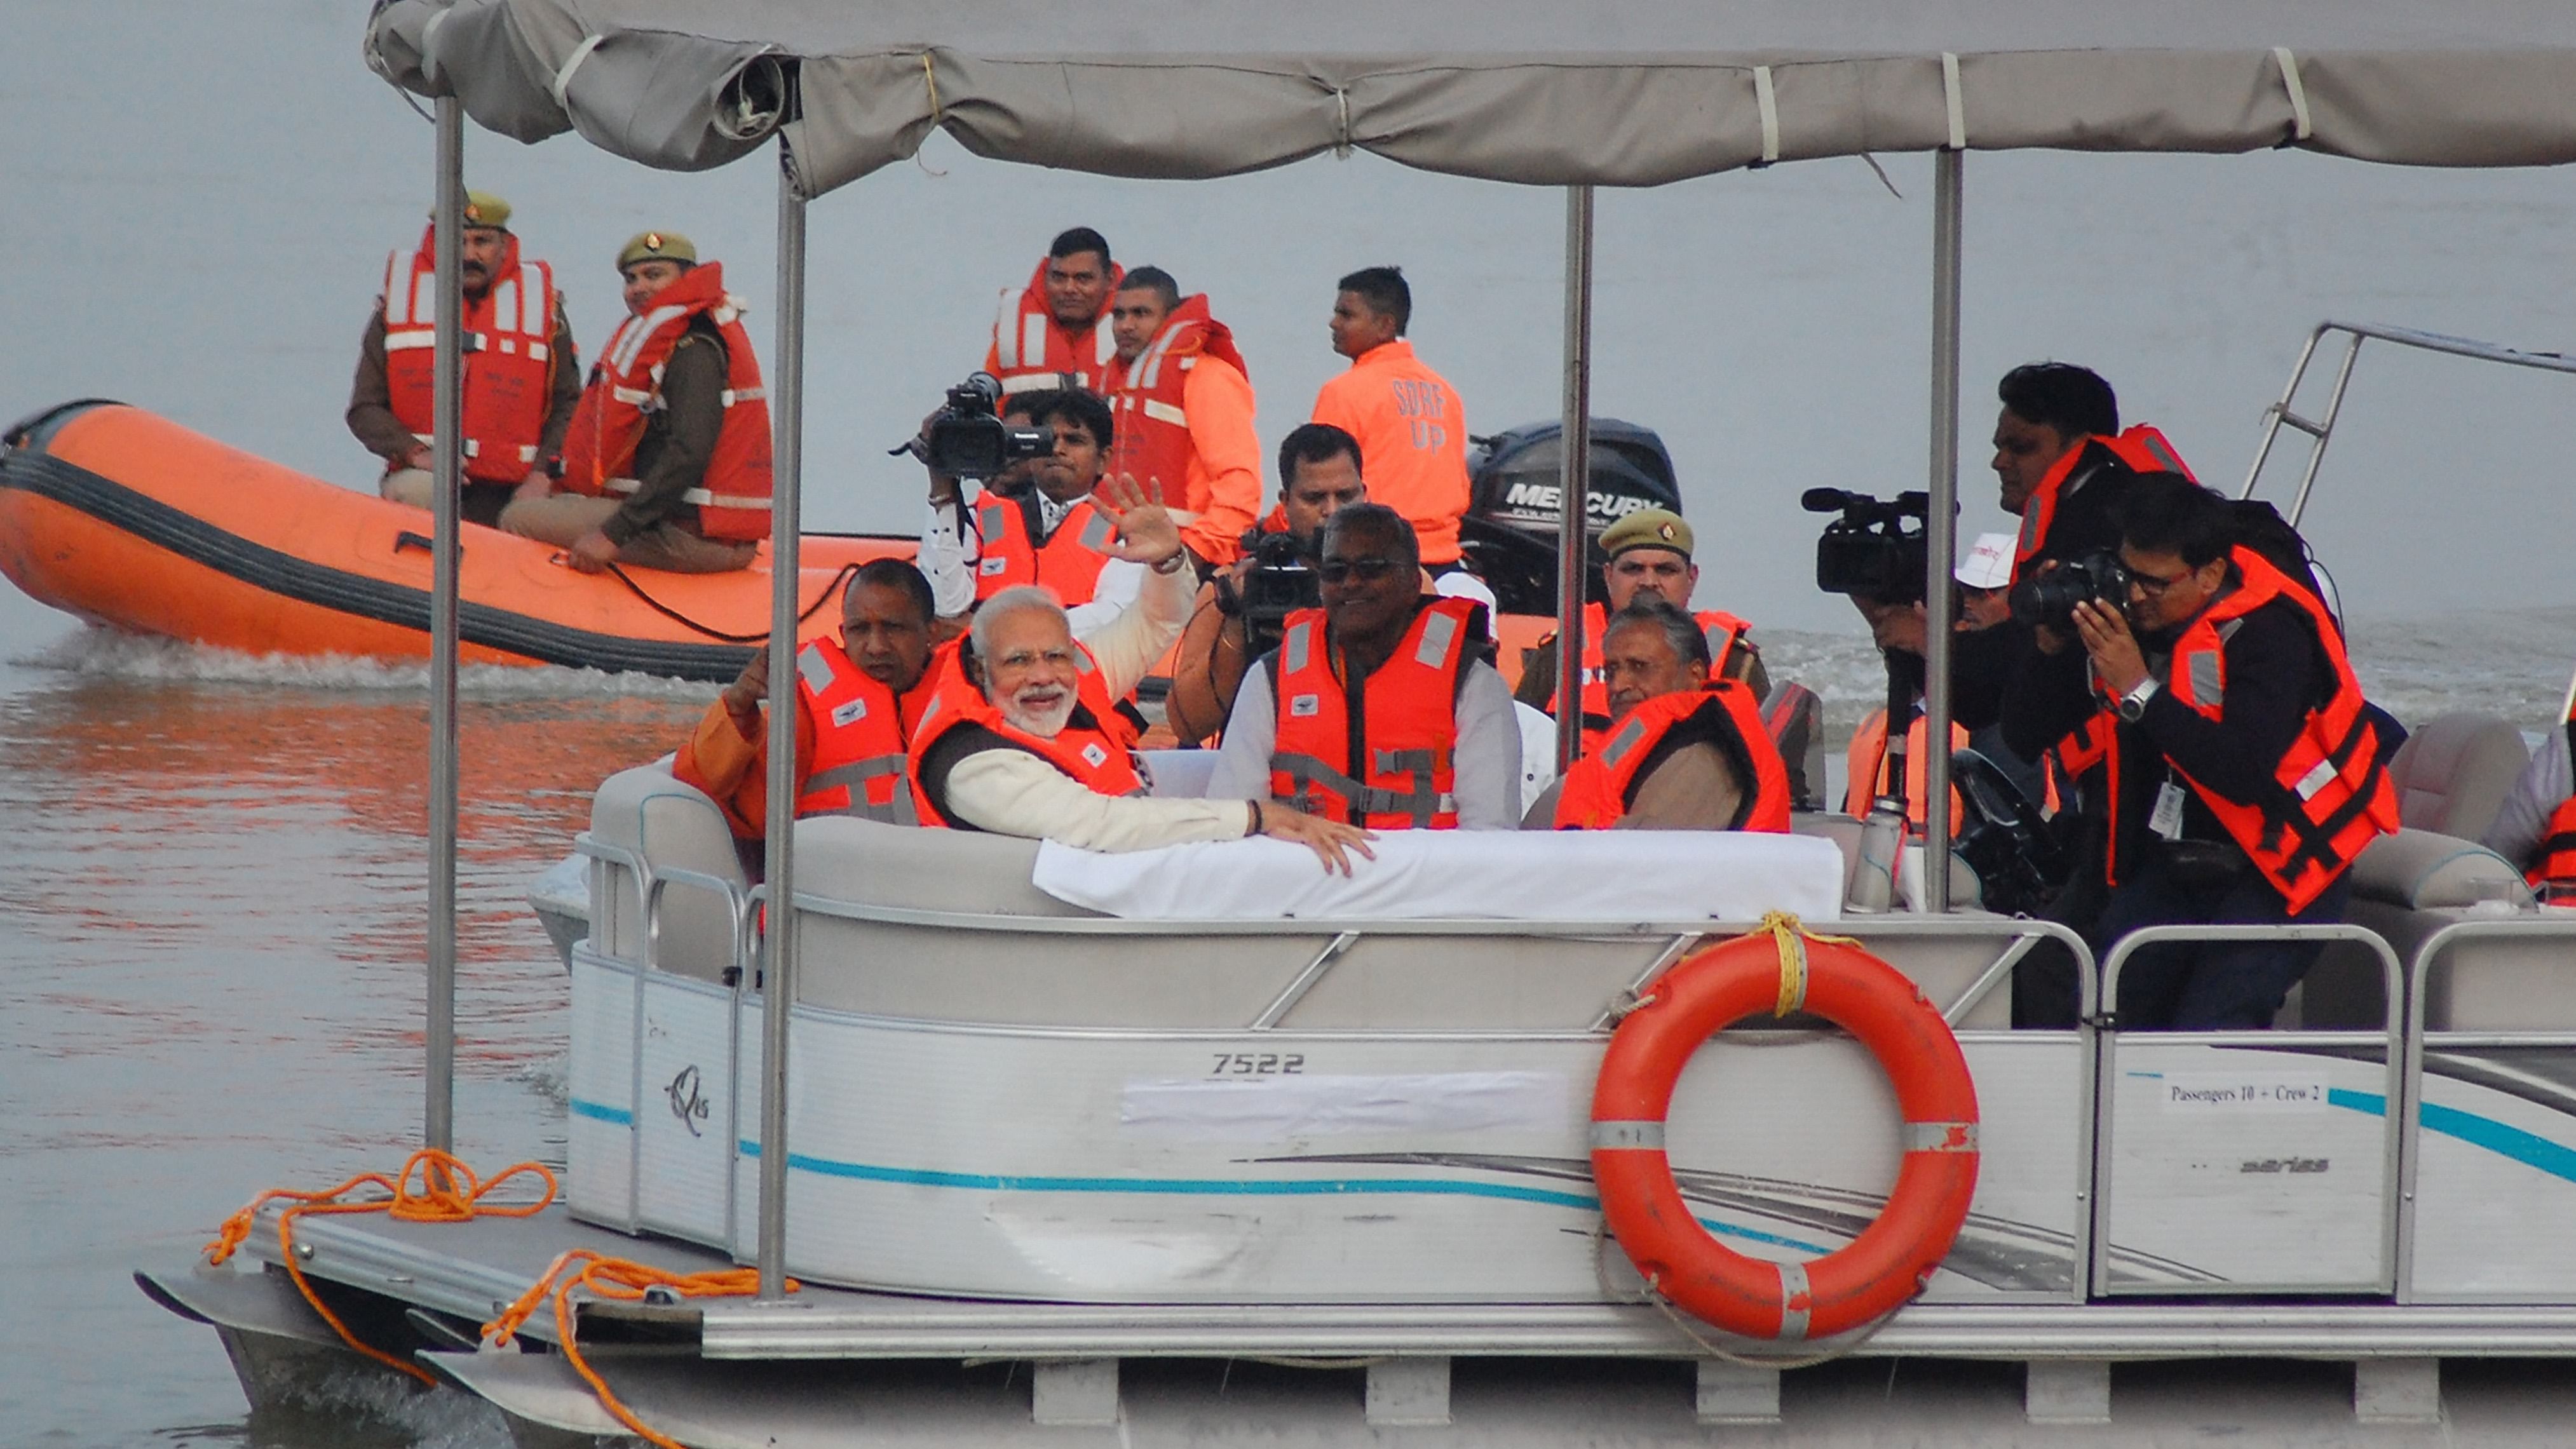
{"points": [[1608, 92]]}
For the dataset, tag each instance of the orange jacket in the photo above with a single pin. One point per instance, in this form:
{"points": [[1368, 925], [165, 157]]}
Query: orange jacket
{"points": [[732, 499], [1096, 753], [1398, 771], [1413, 440], [734, 771], [1069, 562], [507, 369], [1184, 426], [1599, 787], [2142, 447], [2553, 861], [1030, 350], [1867, 758], [2331, 796]]}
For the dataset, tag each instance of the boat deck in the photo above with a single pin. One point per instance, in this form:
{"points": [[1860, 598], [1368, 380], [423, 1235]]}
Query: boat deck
{"points": [[718, 1363]]}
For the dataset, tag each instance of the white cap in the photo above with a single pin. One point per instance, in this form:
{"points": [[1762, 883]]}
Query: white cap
{"points": [[1460, 584], [1989, 565]]}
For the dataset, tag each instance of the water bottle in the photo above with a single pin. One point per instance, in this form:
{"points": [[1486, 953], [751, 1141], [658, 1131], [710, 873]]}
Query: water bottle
{"points": [[1882, 835]]}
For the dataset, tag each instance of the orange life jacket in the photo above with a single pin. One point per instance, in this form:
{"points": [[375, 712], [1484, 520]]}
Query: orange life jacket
{"points": [[1094, 748], [1597, 787], [1724, 631], [1405, 775], [858, 765], [509, 332], [1151, 429], [2142, 447], [1032, 351], [732, 499], [1866, 759], [2554, 861], [2330, 795], [1069, 562]]}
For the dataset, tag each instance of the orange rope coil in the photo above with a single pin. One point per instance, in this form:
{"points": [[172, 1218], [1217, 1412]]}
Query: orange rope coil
{"points": [[449, 1192], [618, 1278]]}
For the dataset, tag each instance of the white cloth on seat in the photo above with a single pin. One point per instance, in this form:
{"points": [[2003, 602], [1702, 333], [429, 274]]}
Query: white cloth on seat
{"points": [[1607, 875]]}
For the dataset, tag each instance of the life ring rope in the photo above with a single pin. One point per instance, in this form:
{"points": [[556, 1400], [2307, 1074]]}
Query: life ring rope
{"points": [[1884, 1266]]}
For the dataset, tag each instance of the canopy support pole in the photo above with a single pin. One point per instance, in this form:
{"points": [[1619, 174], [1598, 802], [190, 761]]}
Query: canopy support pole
{"points": [[447, 455], [1574, 490], [778, 986], [1940, 530]]}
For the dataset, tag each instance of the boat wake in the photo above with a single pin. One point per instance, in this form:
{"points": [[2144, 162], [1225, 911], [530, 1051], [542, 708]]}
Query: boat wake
{"points": [[95, 651]]}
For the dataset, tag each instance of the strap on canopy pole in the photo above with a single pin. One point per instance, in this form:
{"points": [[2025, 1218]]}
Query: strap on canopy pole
{"points": [[447, 457], [1940, 529], [778, 988], [1574, 492]]}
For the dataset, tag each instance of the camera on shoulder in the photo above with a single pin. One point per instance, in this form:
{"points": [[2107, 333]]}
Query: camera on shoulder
{"points": [[966, 438], [1876, 550]]}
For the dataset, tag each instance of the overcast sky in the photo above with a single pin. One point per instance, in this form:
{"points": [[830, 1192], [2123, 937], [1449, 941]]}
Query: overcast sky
{"points": [[200, 200]]}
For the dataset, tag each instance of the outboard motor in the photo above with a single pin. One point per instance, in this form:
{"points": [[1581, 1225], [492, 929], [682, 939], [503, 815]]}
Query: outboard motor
{"points": [[1514, 502]]}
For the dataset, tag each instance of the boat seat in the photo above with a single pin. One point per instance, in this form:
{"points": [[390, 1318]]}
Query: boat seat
{"points": [[2405, 887], [672, 826], [844, 858], [2453, 773]]}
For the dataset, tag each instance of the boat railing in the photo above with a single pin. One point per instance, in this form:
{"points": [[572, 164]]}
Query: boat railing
{"points": [[2320, 429], [2390, 1041]]}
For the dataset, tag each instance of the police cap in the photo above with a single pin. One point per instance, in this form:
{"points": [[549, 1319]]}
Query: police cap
{"points": [[1647, 528]]}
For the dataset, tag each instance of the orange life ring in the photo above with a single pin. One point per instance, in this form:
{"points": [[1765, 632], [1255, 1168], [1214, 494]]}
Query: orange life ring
{"points": [[1783, 970]]}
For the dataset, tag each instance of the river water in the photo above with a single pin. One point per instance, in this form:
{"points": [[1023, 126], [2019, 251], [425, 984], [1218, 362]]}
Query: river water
{"points": [[211, 881]]}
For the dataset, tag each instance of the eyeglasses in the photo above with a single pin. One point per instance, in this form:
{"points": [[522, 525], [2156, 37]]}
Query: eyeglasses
{"points": [[2152, 586], [1366, 570], [1021, 661]]}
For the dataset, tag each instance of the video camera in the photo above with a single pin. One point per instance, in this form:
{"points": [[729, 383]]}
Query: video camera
{"points": [[2050, 598], [1282, 581], [966, 438], [1869, 552]]}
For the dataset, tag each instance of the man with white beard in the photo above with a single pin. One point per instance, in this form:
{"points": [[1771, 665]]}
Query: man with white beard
{"points": [[1022, 739]]}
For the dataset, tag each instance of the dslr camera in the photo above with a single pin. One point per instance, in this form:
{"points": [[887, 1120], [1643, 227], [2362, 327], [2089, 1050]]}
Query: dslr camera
{"points": [[966, 439], [1876, 550], [1282, 581], [2049, 599]]}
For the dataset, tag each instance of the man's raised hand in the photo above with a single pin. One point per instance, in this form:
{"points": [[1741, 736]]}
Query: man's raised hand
{"points": [[1147, 533]]}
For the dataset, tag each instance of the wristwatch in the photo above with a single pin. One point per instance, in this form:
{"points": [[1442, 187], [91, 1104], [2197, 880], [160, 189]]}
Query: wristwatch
{"points": [[2134, 703]]}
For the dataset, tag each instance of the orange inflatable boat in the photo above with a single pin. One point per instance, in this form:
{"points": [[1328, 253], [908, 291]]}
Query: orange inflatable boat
{"points": [[128, 519]]}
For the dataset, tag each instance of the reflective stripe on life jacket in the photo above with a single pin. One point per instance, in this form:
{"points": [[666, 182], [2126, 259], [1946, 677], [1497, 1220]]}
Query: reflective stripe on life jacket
{"points": [[1600, 787], [1405, 772], [508, 367], [1724, 632], [2141, 448], [858, 765], [732, 498], [1866, 761], [2330, 794], [1151, 431], [1094, 748], [1033, 352], [1069, 562]]}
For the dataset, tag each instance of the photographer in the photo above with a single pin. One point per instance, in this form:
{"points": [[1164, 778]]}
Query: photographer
{"points": [[2243, 774], [1240, 611], [1035, 521]]}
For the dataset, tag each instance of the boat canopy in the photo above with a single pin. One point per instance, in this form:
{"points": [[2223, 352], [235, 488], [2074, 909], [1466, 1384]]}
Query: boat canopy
{"points": [[1627, 94]]}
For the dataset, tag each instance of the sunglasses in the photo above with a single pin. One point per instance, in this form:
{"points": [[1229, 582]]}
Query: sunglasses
{"points": [[1366, 570]]}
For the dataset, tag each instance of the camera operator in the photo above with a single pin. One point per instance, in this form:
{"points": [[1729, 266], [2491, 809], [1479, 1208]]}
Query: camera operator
{"points": [[2243, 774], [1241, 610], [1035, 521]]}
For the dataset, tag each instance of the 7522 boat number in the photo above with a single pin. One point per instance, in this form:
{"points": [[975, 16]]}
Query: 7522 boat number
{"points": [[1258, 1064]]}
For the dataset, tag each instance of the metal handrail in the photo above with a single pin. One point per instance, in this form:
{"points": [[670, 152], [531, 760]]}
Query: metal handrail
{"points": [[2394, 1029], [2319, 431], [2419, 977]]}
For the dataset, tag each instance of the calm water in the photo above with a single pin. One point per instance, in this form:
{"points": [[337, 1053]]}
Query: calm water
{"points": [[210, 947]]}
